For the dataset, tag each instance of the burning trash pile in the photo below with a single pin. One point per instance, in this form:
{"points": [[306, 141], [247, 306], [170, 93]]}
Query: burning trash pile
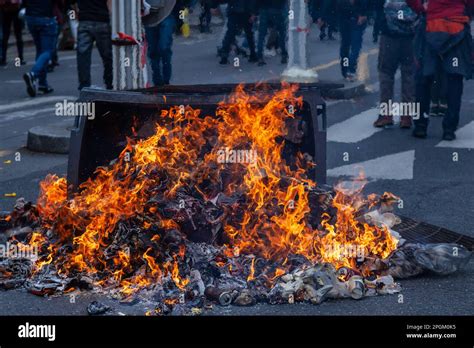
{"points": [[208, 210]]}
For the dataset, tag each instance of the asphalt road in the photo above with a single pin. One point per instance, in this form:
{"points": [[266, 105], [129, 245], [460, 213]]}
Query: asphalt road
{"points": [[434, 187]]}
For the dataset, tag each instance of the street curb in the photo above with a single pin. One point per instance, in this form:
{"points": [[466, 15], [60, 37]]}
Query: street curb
{"points": [[347, 92], [50, 139]]}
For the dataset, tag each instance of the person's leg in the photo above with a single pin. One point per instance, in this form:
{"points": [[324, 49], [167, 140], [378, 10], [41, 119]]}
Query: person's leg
{"points": [[103, 41], [453, 97], [229, 37], [387, 66], [85, 42], [407, 67], [48, 36], [165, 47], [357, 33], [6, 27], [423, 97], [281, 24], [18, 28], [248, 29], [262, 31], [345, 30], [153, 39]]}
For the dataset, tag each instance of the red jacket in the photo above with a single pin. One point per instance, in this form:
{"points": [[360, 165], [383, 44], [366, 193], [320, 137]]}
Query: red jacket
{"points": [[443, 8]]}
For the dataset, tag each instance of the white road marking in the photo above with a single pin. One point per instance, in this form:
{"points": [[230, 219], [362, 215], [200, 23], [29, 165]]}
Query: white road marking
{"points": [[354, 129], [25, 114], [33, 102], [464, 138], [398, 166]]}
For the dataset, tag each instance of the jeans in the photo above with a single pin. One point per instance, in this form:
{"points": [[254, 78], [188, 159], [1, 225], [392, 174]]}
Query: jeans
{"points": [[278, 18], [160, 41], [453, 98], [44, 33], [88, 33], [10, 18], [235, 23], [396, 52], [351, 44]]}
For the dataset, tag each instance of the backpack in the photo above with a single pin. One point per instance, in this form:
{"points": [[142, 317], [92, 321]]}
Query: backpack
{"points": [[401, 19]]}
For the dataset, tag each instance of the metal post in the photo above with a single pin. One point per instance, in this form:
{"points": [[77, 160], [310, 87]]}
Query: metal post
{"points": [[128, 72], [298, 29]]}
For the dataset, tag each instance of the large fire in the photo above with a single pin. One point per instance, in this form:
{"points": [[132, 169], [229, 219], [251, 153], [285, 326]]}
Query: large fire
{"points": [[183, 155]]}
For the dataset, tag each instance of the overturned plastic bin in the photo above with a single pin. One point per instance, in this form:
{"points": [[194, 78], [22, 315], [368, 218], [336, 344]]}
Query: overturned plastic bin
{"points": [[95, 142]]}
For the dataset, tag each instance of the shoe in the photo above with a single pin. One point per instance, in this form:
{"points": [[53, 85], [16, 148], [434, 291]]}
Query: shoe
{"points": [[22, 61], [253, 58], [419, 132], [405, 122], [30, 81], [45, 89], [449, 136], [383, 121], [284, 59], [261, 62], [224, 61], [350, 77]]}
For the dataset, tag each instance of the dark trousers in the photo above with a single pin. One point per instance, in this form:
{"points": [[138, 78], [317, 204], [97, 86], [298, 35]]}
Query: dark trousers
{"points": [[44, 33], [278, 18], [235, 23], [453, 98], [89, 32], [10, 18], [378, 19], [160, 41], [395, 52], [205, 16], [351, 44]]}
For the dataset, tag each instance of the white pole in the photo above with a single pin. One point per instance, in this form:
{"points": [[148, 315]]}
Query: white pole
{"points": [[127, 70], [298, 30]]}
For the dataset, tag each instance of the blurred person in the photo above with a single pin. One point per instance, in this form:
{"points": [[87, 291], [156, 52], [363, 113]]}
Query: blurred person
{"points": [[43, 27], [442, 43], [59, 10], [352, 23], [10, 10], [439, 104], [275, 12], [397, 27], [205, 16], [240, 16], [94, 27], [379, 17], [326, 18], [160, 41]]}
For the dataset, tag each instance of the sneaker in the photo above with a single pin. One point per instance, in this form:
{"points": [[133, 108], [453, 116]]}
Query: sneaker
{"points": [[30, 81], [383, 121], [449, 136], [405, 122], [350, 77], [45, 89], [419, 132], [261, 62]]}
